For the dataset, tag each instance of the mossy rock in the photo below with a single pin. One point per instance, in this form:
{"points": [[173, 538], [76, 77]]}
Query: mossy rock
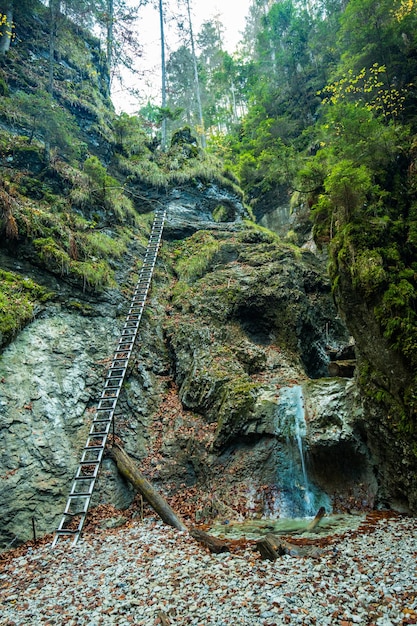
{"points": [[19, 299], [236, 409]]}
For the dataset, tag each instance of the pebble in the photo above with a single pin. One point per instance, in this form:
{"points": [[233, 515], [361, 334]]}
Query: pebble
{"points": [[127, 576]]}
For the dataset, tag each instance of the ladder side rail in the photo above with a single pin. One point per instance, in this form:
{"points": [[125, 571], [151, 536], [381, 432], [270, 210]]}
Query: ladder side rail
{"points": [[86, 475]]}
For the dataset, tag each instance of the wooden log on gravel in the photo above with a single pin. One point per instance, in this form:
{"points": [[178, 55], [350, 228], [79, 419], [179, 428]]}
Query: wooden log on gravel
{"points": [[214, 544], [271, 547], [131, 472]]}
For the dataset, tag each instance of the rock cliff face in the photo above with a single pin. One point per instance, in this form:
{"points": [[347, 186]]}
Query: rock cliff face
{"points": [[235, 322]]}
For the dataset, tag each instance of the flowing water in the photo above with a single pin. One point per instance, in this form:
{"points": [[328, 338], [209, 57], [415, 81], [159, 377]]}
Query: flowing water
{"points": [[290, 503], [295, 495]]}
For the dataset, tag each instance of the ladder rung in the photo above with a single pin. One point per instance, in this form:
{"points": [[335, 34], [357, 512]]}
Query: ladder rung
{"points": [[110, 394], [73, 495], [94, 438], [106, 403], [74, 514], [113, 383], [97, 451], [104, 414], [86, 463], [87, 477], [99, 433], [115, 372]]}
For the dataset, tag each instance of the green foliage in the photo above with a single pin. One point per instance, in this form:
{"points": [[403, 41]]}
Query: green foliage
{"points": [[130, 135], [46, 119], [397, 315], [195, 255], [107, 192], [347, 186]]}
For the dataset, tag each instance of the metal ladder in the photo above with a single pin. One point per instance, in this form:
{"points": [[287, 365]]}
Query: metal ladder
{"points": [[86, 475]]}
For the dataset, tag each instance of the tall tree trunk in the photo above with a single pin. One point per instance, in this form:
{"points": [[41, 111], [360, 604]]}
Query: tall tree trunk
{"points": [[6, 23], [54, 11], [163, 76], [110, 37], [196, 79]]}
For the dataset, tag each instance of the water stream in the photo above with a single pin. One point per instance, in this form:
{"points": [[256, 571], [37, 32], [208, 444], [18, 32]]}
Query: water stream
{"points": [[296, 495]]}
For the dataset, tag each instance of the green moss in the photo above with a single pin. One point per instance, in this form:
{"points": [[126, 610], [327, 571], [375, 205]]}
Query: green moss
{"points": [[99, 244], [80, 307], [238, 401], [368, 274], [180, 292], [52, 255], [4, 89], [18, 299], [194, 256], [94, 274], [254, 233], [221, 213]]}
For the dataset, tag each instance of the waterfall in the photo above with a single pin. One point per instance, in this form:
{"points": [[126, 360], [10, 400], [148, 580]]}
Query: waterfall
{"points": [[295, 495]]}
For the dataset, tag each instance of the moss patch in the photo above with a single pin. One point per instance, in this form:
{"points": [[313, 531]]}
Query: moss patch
{"points": [[18, 300]]}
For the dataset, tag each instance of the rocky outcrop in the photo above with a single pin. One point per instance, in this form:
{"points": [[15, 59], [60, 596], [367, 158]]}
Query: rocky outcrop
{"points": [[386, 378], [233, 351], [49, 376], [200, 404], [200, 207]]}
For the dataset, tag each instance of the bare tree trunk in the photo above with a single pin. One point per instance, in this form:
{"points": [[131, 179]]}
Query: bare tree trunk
{"points": [[196, 79], [163, 76], [130, 471], [110, 36], [6, 16], [54, 11]]}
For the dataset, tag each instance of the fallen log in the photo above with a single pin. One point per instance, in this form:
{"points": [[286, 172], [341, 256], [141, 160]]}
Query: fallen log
{"points": [[214, 544], [272, 547], [131, 472]]}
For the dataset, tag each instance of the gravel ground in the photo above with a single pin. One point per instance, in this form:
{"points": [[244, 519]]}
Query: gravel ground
{"points": [[148, 574]]}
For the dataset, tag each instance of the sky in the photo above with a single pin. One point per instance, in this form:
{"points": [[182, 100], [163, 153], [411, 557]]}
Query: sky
{"points": [[232, 14]]}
